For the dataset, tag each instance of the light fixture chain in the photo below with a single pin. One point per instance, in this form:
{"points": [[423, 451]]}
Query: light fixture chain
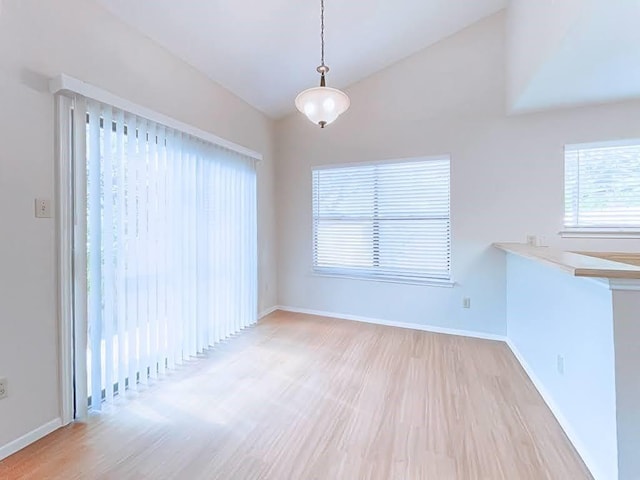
{"points": [[322, 31]]}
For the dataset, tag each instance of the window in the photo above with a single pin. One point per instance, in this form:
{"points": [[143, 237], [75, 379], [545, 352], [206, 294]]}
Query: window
{"points": [[602, 186], [385, 221]]}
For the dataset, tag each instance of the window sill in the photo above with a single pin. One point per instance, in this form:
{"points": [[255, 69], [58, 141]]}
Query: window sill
{"points": [[425, 282], [600, 233]]}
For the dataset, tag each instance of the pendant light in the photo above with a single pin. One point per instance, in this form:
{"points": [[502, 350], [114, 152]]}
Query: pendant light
{"points": [[322, 105]]}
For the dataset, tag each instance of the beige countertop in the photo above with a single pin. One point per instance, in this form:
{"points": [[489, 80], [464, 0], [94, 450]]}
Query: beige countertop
{"points": [[587, 264]]}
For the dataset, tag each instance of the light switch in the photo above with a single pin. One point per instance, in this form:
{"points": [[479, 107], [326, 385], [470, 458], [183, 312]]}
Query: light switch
{"points": [[43, 208]]}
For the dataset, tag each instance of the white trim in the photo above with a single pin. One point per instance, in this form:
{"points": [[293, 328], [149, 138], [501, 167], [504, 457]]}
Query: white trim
{"points": [[64, 234], [29, 438], [266, 312], [564, 423], [391, 323], [624, 284], [426, 282], [64, 83], [626, 142], [614, 232], [426, 158]]}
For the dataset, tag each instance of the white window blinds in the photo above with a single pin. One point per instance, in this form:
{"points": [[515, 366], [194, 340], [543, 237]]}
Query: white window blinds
{"points": [[387, 220], [171, 246], [602, 186]]}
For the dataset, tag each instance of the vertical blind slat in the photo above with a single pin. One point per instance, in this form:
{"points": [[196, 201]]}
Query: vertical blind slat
{"points": [[143, 251], [162, 257], [94, 253], [120, 232], [132, 250], [108, 252], [154, 257]]}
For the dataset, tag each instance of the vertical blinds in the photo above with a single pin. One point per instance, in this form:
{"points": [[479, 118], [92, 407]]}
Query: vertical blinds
{"points": [[602, 186], [171, 247], [386, 220]]}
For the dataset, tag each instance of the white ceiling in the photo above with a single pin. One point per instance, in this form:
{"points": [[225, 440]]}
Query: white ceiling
{"points": [[266, 51], [598, 60]]}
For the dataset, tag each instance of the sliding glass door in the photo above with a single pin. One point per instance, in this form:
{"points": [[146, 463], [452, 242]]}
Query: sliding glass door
{"points": [[166, 225]]}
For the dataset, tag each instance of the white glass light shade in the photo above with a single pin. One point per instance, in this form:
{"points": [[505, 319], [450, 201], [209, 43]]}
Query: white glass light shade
{"points": [[322, 105]]}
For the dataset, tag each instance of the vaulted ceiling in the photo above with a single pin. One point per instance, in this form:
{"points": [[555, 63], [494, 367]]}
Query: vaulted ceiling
{"points": [[267, 51]]}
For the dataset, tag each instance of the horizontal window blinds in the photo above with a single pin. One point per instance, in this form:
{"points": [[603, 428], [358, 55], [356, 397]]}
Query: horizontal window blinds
{"points": [[602, 186], [171, 247], [383, 220]]}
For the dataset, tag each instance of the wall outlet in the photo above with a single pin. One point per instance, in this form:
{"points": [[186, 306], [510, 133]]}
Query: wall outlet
{"points": [[537, 241], [4, 389], [560, 364], [466, 302], [43, 208]]}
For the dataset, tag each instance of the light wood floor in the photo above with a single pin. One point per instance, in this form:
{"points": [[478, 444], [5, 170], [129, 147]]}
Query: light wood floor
{"points": [[303, 397]]}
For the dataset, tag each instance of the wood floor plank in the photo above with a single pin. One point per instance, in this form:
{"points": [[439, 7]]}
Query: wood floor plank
{"points": [[307, 397]]}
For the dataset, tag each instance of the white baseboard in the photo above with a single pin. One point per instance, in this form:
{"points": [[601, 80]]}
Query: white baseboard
{"points": [[266, 312], [27, 439], [390, 323], [546, 396]]}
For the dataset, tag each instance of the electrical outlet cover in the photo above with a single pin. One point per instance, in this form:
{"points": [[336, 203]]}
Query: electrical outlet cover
{"points": [[43, 208], [3, 388]]}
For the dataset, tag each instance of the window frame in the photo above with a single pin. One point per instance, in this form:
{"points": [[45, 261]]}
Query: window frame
{"points": [[628, 232], [352, 273]]}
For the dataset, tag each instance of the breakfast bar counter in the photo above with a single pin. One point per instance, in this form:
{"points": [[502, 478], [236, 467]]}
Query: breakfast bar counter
{"points": [[580, 264]]}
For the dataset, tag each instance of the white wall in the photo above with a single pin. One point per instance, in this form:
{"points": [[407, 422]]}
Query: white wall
{"points": [[507, 176], [551, 313], [40, 39]]}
